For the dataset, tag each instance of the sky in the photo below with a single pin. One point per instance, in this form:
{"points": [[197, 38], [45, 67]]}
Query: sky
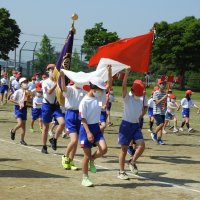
{"points": [[128, 18]]}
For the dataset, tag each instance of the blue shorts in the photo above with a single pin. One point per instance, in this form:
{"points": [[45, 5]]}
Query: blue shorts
{"points": [[20, 113], [55, 121], [4, 88], [109, 106], [169, 116], [129, 131], [186, 112], [160, 119], [103, 116], [95, 130], [150, 112], [72, 121], [49, 111], [36, 113]]}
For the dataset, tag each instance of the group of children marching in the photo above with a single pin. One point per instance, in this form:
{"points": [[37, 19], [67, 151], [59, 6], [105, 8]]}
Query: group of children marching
{"points": [[84, 116]]}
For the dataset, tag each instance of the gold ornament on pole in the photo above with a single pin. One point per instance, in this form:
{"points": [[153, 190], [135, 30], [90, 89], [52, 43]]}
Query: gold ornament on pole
{"points": [[74, 18]]}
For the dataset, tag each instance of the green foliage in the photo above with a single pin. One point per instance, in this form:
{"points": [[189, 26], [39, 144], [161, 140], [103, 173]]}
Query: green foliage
{"points": [[9, 34], [178, 45], [96, 37], [45, 55]]}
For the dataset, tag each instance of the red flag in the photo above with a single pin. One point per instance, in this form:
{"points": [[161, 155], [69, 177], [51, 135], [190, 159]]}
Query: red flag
{"points": [[134, 52]]}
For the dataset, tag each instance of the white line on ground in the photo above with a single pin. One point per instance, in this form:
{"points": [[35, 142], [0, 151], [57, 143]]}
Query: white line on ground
{"points": [[99, 166]]}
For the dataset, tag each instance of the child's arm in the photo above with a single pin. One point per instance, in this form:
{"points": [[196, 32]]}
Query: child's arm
{"points": [[109, 82], [124, 83], [89, 134], [171, 106]]}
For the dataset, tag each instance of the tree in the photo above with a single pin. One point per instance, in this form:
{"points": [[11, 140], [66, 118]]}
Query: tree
{"points": [[178, 44], [9, 34], [96, 37], [76, 63], [45, 55]]}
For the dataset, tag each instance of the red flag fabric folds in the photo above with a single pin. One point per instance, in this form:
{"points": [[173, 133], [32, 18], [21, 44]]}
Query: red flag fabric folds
{"points": [[134, 52]]}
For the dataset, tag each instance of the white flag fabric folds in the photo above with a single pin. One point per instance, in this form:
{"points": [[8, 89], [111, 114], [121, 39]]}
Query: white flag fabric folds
{"points": [[82, 78]]}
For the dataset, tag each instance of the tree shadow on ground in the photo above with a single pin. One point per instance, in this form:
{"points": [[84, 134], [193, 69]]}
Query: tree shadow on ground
{"points": [[132, 185], [158, 176], [176, 159], [27, 173]]}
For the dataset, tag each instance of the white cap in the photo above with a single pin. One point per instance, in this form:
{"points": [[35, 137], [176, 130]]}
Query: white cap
{"points": [[21, 80], [98, 82]]}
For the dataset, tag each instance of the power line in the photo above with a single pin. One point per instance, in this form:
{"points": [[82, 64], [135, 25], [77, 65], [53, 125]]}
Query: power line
{"points": [[36, 35]]}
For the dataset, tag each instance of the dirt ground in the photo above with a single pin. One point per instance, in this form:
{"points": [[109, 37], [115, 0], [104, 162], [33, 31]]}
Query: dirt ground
{"points": [[171, 171]]}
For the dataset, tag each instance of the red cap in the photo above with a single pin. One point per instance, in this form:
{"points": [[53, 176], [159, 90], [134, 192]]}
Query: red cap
{"points": [[14, 72], [172, 96], [71, 83], [33, 78], [138, 88], [156, 88], [44, 76], [160, 81], [4, 74], [188, 92], [51, 66]]}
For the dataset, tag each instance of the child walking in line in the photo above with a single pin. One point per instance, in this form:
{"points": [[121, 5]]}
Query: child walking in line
{"points": [[130, 126], [90, 133], [150, 112], [36, 109], [186, 104], [73, 96], [4, 88], [170, 115], [19, 98]]}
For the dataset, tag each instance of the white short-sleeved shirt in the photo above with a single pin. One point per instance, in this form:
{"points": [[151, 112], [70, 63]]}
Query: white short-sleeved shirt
{"points": [[102, 100], [18, 95], [145, 101], [186, 104], [31, 86], [150, 103], [73, 97], [171, 110], [37, 100], [46, 85], [90, 109], [12, 78], [15, 84], [4, 81], [132, 108]]}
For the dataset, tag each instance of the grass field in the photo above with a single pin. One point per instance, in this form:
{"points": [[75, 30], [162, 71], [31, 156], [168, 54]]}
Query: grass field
{"points": [[166, 172]]}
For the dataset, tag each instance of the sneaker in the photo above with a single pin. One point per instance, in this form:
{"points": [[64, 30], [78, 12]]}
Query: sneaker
{"points": [[164, 131], [154, 136], [23, 143], [175, 130], [131, 151], [53, 142], [86, 182], [150, 130], [51, 134], [12, 134], [72, 166], [160, 142], [123, 176], [110, 124], [171, 127], [44, 150], [31, 130], [133, 167], [181, 129], [92, 167], [190, 130], [65, 162]]}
